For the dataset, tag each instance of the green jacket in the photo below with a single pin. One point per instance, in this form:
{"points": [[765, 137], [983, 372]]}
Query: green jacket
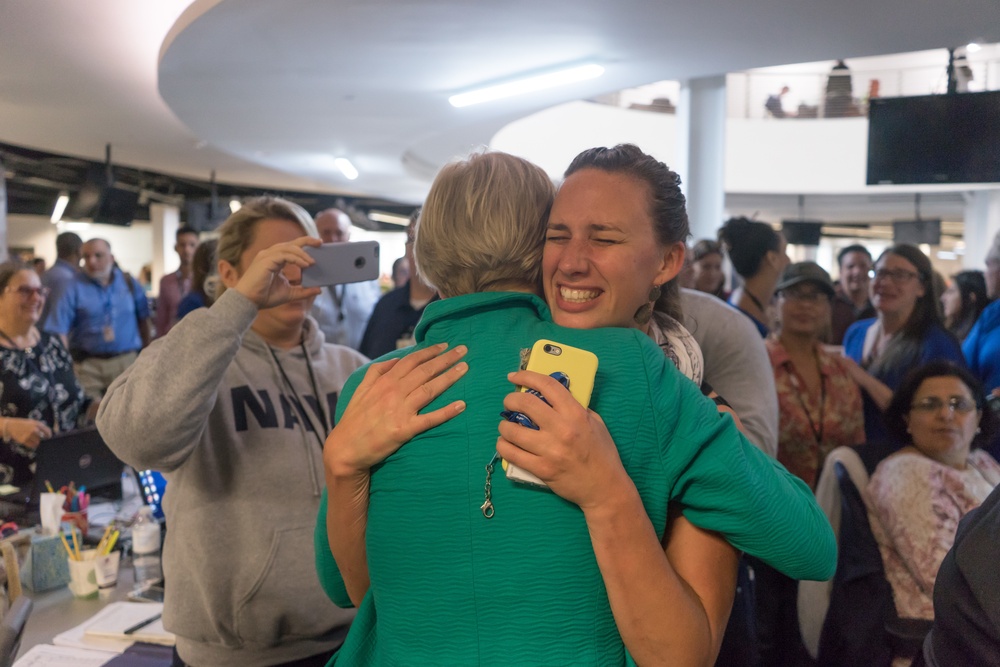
{"points": [[450, 587]]}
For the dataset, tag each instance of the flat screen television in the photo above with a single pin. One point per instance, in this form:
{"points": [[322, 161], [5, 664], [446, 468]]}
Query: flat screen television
{"points": [[934, 139]]}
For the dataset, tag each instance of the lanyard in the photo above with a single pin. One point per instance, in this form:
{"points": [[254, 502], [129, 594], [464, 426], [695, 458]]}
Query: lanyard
{"points": [[316, 394], [817, 431]]}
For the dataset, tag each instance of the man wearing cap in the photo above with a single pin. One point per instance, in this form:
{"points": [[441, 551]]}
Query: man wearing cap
{"points": [[819, 409]]}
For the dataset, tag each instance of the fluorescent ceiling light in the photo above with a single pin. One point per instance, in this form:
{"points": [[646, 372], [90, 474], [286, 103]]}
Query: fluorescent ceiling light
{"points": [[389, 218], [76, 226], [527, 85], [346, 168], [234, 205], [60, 207]]}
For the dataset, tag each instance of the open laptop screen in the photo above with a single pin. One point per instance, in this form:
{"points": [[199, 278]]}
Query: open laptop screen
{"points": [[80, 457]]}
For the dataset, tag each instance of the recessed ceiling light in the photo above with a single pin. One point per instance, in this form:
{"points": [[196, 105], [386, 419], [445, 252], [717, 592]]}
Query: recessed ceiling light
{"points": [[972, 47], [346, 168], [528, 84], [234, 205]]}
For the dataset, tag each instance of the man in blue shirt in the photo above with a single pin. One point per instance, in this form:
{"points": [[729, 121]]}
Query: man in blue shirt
{"points": [[103, 317], [62, 273]]}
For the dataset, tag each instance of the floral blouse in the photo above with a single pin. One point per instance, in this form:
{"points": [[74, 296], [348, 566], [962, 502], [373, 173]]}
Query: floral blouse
{"points": [[37, 383], [811, 425], [915, 504]]}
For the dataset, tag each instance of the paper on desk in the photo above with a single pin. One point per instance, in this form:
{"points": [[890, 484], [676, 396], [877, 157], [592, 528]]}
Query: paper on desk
{"points": [[110, 622], [45, 655]]}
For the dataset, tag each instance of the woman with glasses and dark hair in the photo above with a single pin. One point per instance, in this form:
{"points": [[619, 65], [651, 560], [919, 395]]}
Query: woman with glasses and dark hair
{"points": [[39, 394], [905, 333], [918, 495]]}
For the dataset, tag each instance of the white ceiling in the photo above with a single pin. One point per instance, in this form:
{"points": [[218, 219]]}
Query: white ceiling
{"points": [[267, 92]]}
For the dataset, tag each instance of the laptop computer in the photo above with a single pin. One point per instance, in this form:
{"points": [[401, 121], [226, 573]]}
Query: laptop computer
{"points": [[81, 457]]}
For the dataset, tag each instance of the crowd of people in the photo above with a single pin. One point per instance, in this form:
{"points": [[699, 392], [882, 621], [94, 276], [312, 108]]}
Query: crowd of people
{"points": [[679, 512]]}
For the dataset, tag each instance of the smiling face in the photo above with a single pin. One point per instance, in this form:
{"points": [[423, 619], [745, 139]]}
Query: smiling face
{"points": [[22, 301], [601, 255], [896, 287], [944, 434], [854, 268]]}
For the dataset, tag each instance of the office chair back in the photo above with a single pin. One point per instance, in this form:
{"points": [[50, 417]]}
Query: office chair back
{"points": [[12, 628]]}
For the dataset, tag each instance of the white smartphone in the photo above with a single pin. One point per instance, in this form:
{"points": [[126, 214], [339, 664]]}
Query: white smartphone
{"points": [[575, 369], [339, 263]]}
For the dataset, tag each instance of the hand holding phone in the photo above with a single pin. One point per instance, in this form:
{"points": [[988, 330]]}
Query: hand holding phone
{"points": [[572, 367], [339, 263]]}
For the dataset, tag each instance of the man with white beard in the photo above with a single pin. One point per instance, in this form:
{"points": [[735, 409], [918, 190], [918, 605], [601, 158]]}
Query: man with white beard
{"points": [[103, 318]]}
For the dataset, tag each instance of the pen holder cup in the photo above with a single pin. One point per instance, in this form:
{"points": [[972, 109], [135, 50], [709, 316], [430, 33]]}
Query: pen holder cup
{"points": [[83, 575], [106, 569]]}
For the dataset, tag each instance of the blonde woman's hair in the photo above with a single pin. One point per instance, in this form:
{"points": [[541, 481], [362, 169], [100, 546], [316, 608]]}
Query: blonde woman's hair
{"points": [[482, 227], [237, 233]]}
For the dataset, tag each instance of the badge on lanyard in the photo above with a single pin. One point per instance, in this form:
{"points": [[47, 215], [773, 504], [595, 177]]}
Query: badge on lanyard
{"points": [[109, 334]]}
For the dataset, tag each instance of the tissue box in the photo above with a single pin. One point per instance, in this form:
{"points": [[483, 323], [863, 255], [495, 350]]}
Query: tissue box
{"points": [[45, 567]]}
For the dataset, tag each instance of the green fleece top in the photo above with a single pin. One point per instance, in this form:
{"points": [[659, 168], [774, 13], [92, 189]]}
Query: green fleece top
{"points": [[450, 587]]}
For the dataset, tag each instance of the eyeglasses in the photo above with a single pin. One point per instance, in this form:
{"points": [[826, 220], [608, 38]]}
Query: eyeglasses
{"points": [[895, 275], [26, 292], [958, 404], [807, 297]]}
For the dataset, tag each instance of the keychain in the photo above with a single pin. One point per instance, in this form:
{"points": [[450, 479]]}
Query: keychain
{"points": [[487, 507]]}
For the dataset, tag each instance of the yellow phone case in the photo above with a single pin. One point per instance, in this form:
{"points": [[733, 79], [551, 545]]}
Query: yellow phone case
{"points": [[580, 366]]}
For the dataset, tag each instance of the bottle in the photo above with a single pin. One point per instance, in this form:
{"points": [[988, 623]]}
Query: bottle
{"points": [[146, 548]]}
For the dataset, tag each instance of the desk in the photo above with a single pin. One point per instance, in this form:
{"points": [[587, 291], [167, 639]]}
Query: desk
{"points": [[57, 610]]}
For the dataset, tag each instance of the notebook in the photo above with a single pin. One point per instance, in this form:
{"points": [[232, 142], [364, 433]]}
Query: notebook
{"points": [[112, 621]]}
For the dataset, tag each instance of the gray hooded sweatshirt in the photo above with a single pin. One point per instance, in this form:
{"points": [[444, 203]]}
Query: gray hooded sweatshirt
{"points": [[210, 405]]}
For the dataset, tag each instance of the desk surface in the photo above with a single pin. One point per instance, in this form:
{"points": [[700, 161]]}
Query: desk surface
{"points": [[57, 611]]}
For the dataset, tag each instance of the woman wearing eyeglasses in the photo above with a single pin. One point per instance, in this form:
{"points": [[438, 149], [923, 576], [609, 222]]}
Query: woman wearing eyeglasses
{"points": [[38, 392], [906, 333], [918, 495]]}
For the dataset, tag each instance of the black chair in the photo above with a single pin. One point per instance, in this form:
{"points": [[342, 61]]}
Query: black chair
{"points": [[862, 628], [12, 628]]}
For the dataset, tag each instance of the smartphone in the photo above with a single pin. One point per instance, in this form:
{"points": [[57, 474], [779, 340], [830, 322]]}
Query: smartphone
{"points": [[339, 263], [147, 593], [576, 369]]}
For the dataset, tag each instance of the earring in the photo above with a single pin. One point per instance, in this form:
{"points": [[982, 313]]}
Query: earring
{"points": [[643, 315]]}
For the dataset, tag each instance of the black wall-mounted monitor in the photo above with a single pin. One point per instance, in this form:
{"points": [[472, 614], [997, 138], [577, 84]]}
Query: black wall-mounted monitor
{"points": [[916, 232], [802, 232], [116, 206], [934, 139]]}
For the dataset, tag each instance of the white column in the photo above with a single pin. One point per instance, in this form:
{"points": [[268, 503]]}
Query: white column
{"points": [[701, 149], [165, 220], [982, 223]]}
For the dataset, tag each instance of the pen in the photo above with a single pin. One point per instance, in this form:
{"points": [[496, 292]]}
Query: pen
{"points": [[141, 624]]}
